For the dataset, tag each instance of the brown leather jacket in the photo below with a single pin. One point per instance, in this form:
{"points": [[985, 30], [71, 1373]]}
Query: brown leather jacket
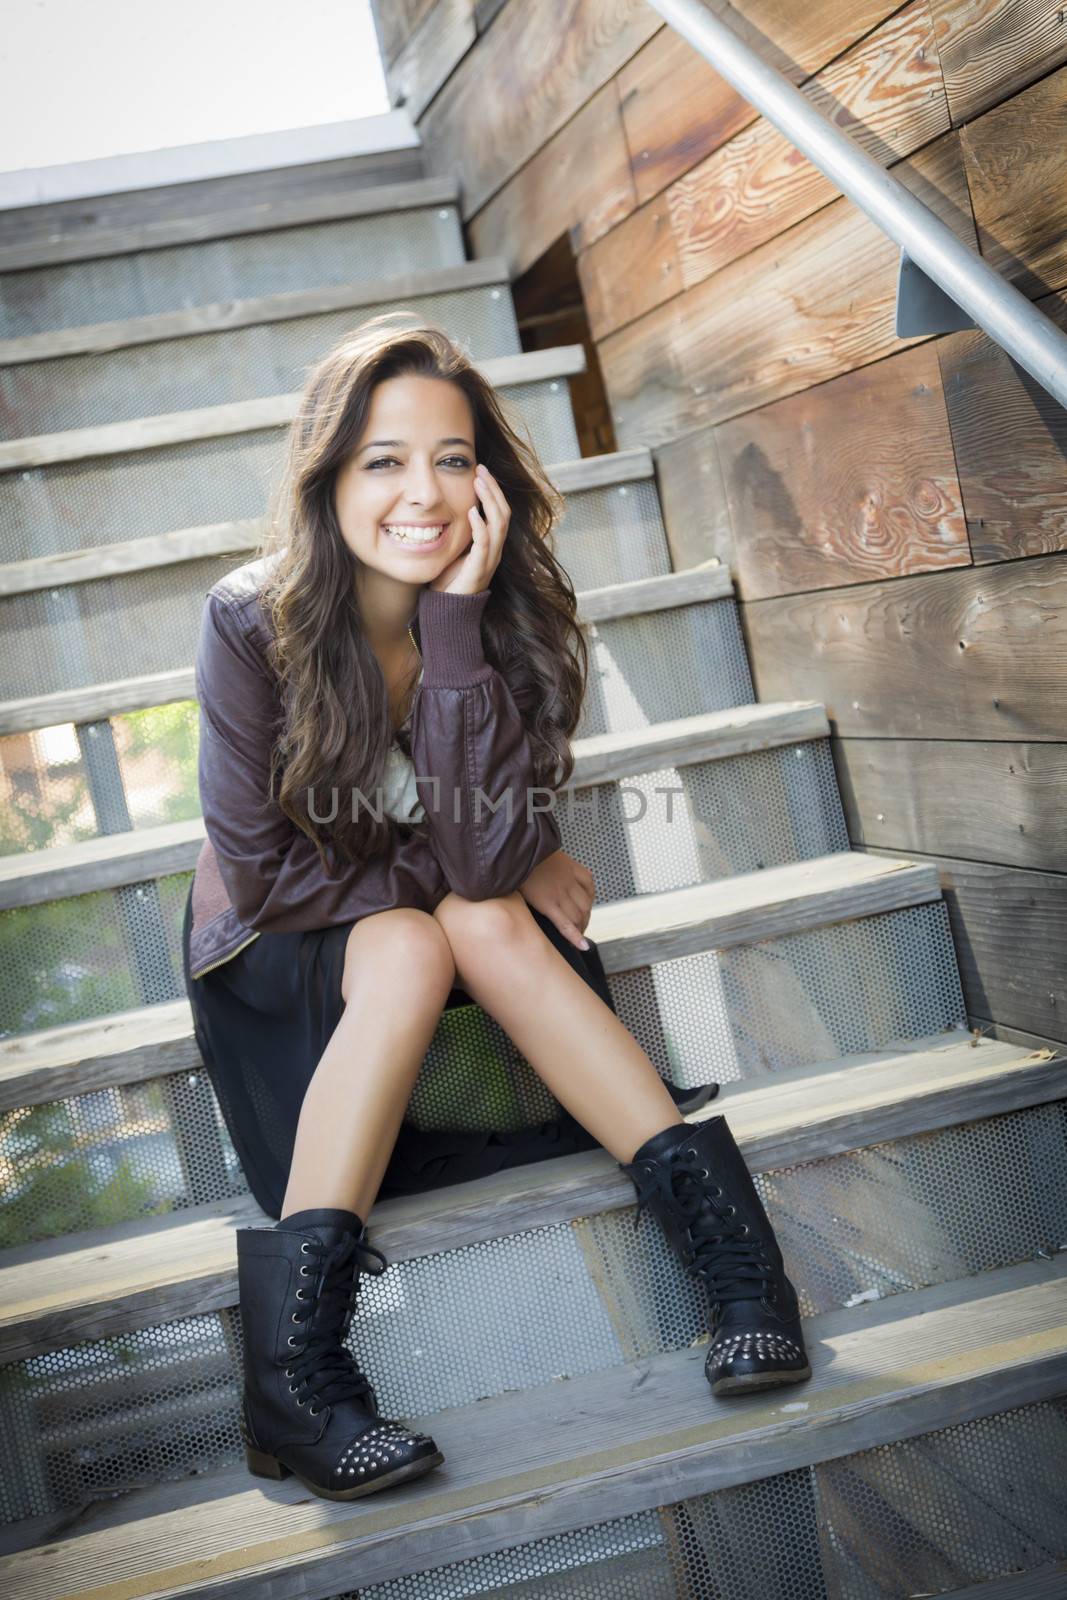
{"points": [[258, 873]]}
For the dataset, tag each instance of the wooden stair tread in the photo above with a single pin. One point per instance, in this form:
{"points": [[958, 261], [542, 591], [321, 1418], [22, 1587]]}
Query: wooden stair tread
{"points": [[243, 416], [237, 537], [83, 1286], [104, 338], [524, 1464], [256, 217]]}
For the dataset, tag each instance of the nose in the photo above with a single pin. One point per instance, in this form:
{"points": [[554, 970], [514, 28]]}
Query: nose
{"points": [[420, 485]]}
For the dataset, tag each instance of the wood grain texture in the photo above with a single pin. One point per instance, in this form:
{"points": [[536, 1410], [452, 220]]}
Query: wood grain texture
{"points": [[995, 802], [630, 270], [1016, 158], [97, 702], [696, 513], [1010, 441], [577, 183], [1009, 927], [395, 22], [529, 75], [990, 49], [519, 1469], [676, 109], [103, 337], [885, 94], [66, 219], [132, 555], [226, 221], [431, 53], [849, 481], [796, 311], [968, 653]]}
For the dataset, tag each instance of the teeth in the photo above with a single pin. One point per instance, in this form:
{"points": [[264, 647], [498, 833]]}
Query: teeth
{"points": [[409, 536]]}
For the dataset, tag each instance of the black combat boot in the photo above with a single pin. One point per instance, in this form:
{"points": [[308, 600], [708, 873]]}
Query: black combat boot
{"points": [[695, 1182], [308, 1409]]}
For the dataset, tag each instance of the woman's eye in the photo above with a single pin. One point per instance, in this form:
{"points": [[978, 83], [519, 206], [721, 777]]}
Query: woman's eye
{"points": [[380, 461]]}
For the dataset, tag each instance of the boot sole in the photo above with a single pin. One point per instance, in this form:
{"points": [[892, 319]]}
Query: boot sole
{"points": [[749, 1382], [262, 1465]]}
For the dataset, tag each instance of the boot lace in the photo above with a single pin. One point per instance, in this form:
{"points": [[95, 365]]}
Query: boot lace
{"points": [[732, 1264], [322, 1362]]}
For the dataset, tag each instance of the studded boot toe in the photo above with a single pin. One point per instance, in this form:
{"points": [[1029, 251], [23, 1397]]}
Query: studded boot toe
{"points": [[695, 1182], [308, 1409]]}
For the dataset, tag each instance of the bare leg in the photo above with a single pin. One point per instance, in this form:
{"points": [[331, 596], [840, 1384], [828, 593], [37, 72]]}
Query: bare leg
{"points": [[576, 1045], [397, 975]]}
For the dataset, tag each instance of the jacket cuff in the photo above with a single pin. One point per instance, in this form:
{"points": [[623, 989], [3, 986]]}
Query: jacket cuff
{"points": [[450, 638]]}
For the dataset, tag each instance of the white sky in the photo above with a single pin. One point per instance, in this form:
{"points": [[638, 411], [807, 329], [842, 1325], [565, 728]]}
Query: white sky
{"points": [[87, 78]]}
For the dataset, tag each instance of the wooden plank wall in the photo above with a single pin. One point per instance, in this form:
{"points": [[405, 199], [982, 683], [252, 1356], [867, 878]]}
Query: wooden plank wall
{"points": [[894, 511]]}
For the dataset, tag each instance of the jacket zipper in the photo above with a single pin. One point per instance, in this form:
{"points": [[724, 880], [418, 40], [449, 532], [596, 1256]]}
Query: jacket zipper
{"points": [[224, 959]]}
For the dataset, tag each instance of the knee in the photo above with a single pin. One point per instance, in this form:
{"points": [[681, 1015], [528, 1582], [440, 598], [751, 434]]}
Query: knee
{"points": [[494, 926], [403, 940]]}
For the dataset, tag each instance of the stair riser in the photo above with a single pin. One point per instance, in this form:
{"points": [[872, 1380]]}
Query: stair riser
{"points": [[70, 505], [140, 282], [647, 832], [218, 368], [797, 998], [550, 1303], [674, 663], [911, 1518]]}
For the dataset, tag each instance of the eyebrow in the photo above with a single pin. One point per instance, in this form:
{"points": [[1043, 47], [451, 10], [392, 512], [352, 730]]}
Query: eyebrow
{"points": [[376, 443]]}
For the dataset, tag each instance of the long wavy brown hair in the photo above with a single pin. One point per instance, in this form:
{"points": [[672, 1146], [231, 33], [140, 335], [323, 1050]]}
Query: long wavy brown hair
{"points": [[336, 729]]}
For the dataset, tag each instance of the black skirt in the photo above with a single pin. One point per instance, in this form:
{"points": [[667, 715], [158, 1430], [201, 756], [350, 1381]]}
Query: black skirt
{"points": [[262, 1021]]}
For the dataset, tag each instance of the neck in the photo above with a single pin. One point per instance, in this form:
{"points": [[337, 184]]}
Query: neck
{"points": [[387, 607]]}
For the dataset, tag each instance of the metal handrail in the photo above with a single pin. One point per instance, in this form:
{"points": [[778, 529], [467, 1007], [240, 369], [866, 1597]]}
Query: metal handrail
{"points": [[1003, 311]]}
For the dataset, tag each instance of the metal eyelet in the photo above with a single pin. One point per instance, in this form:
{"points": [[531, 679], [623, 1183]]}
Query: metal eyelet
{"points": [[300, 1294], [290, 1340], [294, 1317], [301, 1403], [305, 1249], [293, 1387], [314, 1411], [744, 1230], [704, 1173], [731, 1211], [288, 1372], [304, 1271]]}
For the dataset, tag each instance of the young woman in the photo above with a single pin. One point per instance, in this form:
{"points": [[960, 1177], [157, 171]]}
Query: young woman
{"points": [[386, 695]]}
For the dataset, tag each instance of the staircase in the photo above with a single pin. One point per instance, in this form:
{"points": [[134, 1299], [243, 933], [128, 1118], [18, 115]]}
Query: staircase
{"points": [[915, 1172]]}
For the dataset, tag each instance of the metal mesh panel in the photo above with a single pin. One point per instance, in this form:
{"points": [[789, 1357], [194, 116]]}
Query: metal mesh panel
{"points": [[612, 535], [685, 825], [116, 627], [956, 1506], [541, 413], [870, 1223], [75, 505], [662, 664], [212, 369], [138, 282]]}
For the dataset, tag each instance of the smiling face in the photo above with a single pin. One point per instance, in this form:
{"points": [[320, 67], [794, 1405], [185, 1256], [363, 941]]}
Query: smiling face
{"points": [[403, 495]]}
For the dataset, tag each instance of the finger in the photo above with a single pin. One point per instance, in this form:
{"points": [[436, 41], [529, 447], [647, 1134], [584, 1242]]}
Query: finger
{"points": [[497, 509], [578, 909], [572, 932]]}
